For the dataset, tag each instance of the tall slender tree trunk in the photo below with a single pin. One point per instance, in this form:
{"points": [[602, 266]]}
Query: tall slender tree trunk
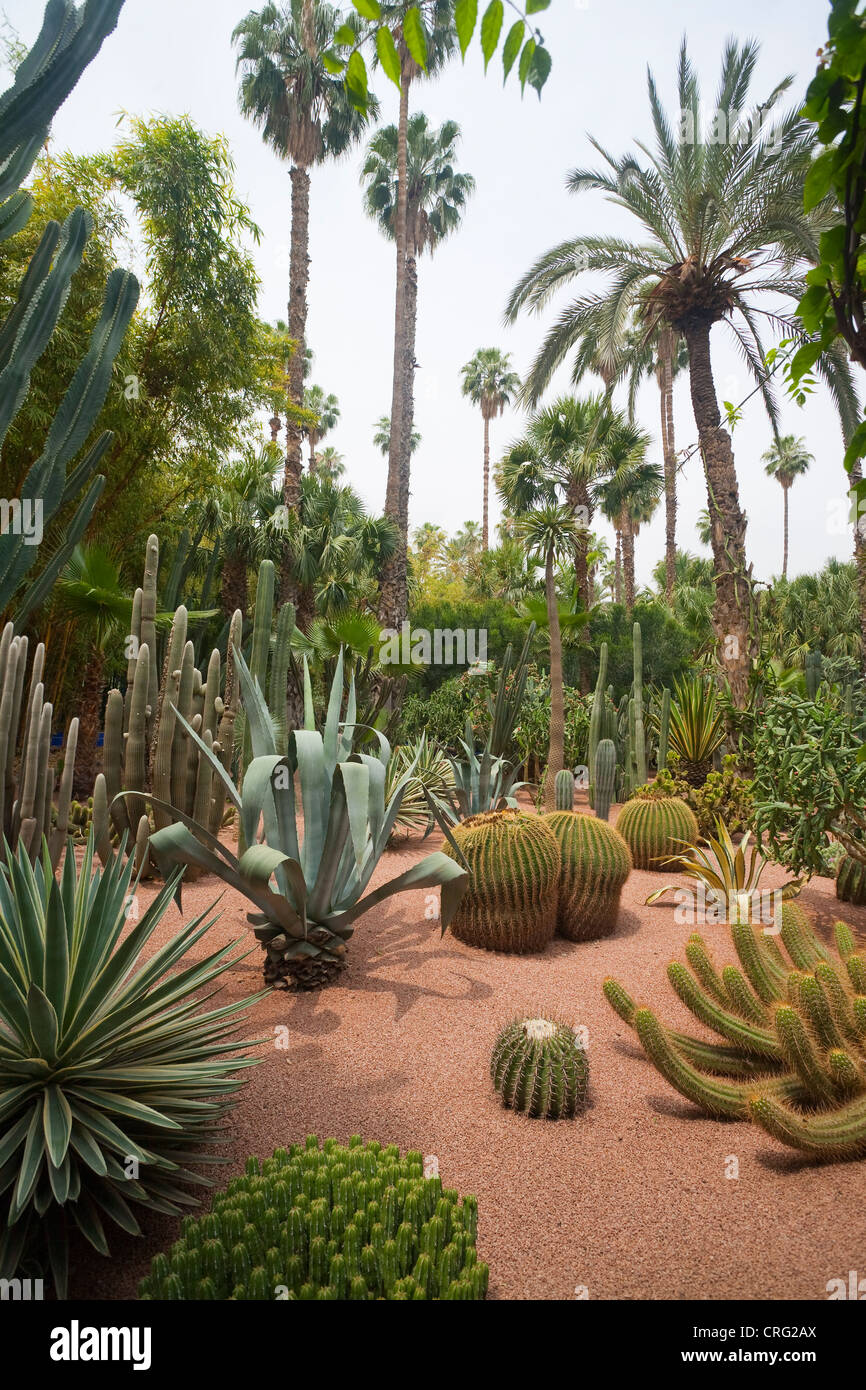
{"points": [[617, 569], [556, 748], [666, 348], [299, 275], [485, 527], [628, 560], [314, 444], [408, 418], [233, 586], [860, 568], [392, 582], [732, 610], [580, 502], [785, 531]]}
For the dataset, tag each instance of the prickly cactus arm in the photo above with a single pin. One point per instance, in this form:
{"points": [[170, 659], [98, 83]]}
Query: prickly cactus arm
{"points": [[101, 825], [766, 976], [180, 738], [44, 780], [135, 755], [171, 665], [564, 789], [799, 1051], [134, 642], [595, 720], [112, 753], [279, 679], [605, 778], [798, 938], [664, 730], [211, 694], [838, 1134], [57, 842], [757, 1041], [699, 959], [10, 655], [30, 769], [148, 629], [164, 748]]}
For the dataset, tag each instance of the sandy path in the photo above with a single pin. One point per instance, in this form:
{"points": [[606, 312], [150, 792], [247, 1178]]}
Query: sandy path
{"points": [[630, 1200]]}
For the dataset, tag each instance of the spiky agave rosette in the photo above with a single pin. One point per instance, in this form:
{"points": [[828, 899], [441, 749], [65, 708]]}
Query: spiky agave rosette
{"points": [[540, 1066]]}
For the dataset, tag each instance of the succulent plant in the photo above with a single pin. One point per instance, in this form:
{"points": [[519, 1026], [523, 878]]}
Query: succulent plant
{"points": [[657, 830], [539, 1066], [595, 863], [791, 1019], [697, 728], [510, 903], [430, 776], [729, 878], [664, 731], [26, 776], [605, 777], [336, 797], [111, 1076], [327, 1223], [597, 719], [851, 881], [564, 789]]}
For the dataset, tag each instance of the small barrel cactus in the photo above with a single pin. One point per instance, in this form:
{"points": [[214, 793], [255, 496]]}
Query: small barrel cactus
{"points": [[540, 1067], [851, 881], [564, 789], [596, 861], [511, 902], [656, 830], [325, 1224], [605, 778]]}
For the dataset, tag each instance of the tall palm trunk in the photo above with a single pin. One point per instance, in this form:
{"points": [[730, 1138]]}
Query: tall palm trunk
{"points": [[617, 568], [556, 748], [485, 528], [233, 586], [860, 568], [785, 487], [667, 344], [628, 560], [392, 583], [299, 275], [732, 609], [408, 415]]}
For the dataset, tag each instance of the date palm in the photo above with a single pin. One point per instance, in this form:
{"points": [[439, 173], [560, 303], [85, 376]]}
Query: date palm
{"points": [[326, 411], [305, 115], [490, 383], [722, 231], [786, 460], [435, 197]]}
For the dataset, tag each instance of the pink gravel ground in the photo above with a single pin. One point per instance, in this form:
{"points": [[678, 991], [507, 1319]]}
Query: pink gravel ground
{"points": [[629, 1201]]}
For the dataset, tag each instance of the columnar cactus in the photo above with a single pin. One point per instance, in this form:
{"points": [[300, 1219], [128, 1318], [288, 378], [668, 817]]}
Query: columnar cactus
{"points": [[328, 1224], [564, 787], [792, 1025], [656, 830], [596, 719], [595, 863], [636, 761], [851, 881], [511, 901], [664, 731], [539, 1066], [605, 777]]}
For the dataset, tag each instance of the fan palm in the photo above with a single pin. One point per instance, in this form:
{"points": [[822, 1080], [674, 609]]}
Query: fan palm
{"points": [[490, 383], [305, 114], [628, 498], [325, 410], [382, 436], [723, 229], [785, 460], [330, 465], [435, 197], [232, 515]]}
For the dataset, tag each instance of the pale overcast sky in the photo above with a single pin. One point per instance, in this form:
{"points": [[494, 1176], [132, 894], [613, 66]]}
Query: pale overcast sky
{"points": [[175, 56]]}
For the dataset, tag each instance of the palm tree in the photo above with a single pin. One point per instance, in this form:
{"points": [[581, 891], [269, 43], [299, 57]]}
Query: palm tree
{"points": [[785, 460], [90, 595], [382, 437], [305, 114], [435, 197], [548, 533], [722, 229], [326, 411], [330, 464], [628, 498], [490, 383], [233, 516]]}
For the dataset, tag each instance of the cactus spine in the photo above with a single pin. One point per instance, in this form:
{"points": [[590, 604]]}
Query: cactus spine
{"points": [[595, 863], [655, 830], [605, 777], [327, 1223], [564, 788], [511, 902], [539, 1067]]}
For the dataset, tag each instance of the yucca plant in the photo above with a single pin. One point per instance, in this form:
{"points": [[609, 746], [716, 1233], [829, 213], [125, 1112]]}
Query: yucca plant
{"points": [[697, 728], [729, 881], [324, 820], [430, 774], [111, 1077]]}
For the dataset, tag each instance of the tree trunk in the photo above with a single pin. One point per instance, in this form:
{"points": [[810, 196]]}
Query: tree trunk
{"points": [[393, 603], [485, 529], [233, 586], [732, 609], [617, 569], [785, 531], [556, 749], [667, 346], [860, 566], [305, 608], [89, 724], [299, 274], [628, 560], [314, 444]]}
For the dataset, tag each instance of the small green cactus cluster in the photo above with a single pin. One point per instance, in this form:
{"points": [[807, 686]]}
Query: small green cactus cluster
{"points": [[851, 881], [656, 830], [595, 863], [792, 1025], [80, 818], [511, 902], [27, 811], [540, 1067], [327, 1223], [564, 790]]}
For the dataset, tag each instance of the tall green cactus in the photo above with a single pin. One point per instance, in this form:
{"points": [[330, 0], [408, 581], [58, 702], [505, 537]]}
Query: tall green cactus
{"points": [[511, 902], [636, 766], [664, 731], [597, 719], [605, 777], [814, 673], [564, 788]]}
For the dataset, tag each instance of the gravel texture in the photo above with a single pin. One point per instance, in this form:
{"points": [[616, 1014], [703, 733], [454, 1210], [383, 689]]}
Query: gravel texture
{"points": [[629, 1201]]}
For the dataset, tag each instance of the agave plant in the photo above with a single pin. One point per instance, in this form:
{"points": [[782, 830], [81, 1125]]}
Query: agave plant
{"points": [[430, 775], [697, 728], [110, 1076], [729, 882], [481, 784], [337, 797]]}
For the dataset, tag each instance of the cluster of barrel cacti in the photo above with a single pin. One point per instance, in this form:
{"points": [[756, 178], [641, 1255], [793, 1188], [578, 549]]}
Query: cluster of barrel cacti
{"points": [[621, 734], [791, 1019], [595, 862], [27, 812], [328, 1223], [656, 829], [539, 1066], [513, 861]]}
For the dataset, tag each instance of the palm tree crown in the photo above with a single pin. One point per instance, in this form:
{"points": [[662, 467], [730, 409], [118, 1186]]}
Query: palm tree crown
{"points": [[490, 383], [436, 192]]}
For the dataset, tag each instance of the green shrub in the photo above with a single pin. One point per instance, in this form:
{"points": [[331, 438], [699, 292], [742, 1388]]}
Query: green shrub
{"points": [[667, 646], [724, 795]]}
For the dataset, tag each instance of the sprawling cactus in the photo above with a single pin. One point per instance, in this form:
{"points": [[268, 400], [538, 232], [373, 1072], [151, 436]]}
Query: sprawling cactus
{"points": [[540, 1066], [792, 1024], [564, 789], [327, 1223], [657, 829], [595, 863], [605, 778], [511, 901]]}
